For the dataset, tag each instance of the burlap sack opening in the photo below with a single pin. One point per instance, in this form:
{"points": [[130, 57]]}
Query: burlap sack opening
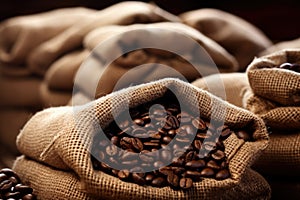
{"points": [[70, 132], [277, 85], [60, 185]]}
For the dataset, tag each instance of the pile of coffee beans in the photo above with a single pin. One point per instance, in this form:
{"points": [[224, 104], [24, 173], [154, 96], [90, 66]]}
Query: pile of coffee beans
{"points": [[12, 188], [290, 66], [163, 145]]}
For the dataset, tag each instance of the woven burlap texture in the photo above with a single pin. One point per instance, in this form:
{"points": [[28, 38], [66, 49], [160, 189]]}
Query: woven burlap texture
{"points": [[282, 156], [62, 137], [276, 92], [252, 185]]}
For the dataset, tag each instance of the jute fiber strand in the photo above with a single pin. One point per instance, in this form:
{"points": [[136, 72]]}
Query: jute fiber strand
{"points": [[66, 185], [276, 92], [282, 156], [62, 137]]}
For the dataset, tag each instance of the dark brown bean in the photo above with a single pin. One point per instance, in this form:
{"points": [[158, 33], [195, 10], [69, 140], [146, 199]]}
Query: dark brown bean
{"points": [[111, 150], [243, 135], [195, 164], [207, 172], [28, 197], [186, 183], [199, 124], [218, 155], [158, 182], [222, 174], [123, 174], [212, 164], [138, 178], [139, 122], [173, 179], [5, 185], [24, 189], [3, 177]]}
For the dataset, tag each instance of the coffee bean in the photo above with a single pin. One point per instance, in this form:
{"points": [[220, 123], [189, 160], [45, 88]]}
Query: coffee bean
{"points": [[138, 178], [207, 172], [24, 189], [155, 135], [137, 144], [111, 150], [212, 164], [158, 164], [195, 164], [184, 117], [192, 155], [218, 155], [149, 177], [199, 124], [158, 182], [13, 195], [123, 174], [166, 155], [167, 139], [173, 179], [186, 183], [197, 144], [226, 132], [3, 177], [222, 174], [243, 135], [28, 197], [139, 122]]}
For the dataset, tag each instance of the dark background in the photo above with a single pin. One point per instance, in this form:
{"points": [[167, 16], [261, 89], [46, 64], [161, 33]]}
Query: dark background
{"points": [[278, 19]]}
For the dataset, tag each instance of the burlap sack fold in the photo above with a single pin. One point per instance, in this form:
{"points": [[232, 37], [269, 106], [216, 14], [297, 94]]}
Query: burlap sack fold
{"points": [[60, 75], [20, 35], [291, 44], [62, 137], [239, 37], [251, 186], [172, 48], [20, 91], [276, 92], [124, 13]]}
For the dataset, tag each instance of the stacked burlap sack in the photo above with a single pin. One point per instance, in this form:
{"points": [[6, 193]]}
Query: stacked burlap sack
{"points": [[24, 86], [272, 94], [56, 143]]}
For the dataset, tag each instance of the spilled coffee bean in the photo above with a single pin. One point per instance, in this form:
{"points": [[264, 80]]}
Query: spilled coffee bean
{"points": [[12, 188], [164, 146]]}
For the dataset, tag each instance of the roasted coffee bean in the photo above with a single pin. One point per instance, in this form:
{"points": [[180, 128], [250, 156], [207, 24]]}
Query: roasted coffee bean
{"points": [[243, 135], [199, 124], [5, 185], [162, 134], [207, 172], [222, 174], [3, 177], [218, 155], [13, 195], [212, 164], [173, 179], [28, 197], [158, 182], [195, 164], [186, 183], [123, 174]]}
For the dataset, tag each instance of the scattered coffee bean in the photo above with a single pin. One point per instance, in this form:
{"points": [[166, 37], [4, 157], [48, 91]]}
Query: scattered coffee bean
{"points": [[182, 148], [12, 188]]}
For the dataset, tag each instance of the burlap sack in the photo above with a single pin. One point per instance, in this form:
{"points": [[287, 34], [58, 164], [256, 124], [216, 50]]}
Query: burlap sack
{"points": [[20, 35], [166, 36], [14, 70], [232, 87], [20, 91], [60, 184], [280, 46], [276, 92], [282, 156], [52, 98], [60, 75], [123, 13], [242, 39], [61, 137]]}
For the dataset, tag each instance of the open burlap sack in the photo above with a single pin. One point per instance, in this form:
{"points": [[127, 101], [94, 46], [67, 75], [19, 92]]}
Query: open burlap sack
{"points": [[291, 44], [123, 13], [161, 50], [61, 74], [239, 37], [20, 91], [20, 35], [63, 183], [276, 92], [62, 137]]}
